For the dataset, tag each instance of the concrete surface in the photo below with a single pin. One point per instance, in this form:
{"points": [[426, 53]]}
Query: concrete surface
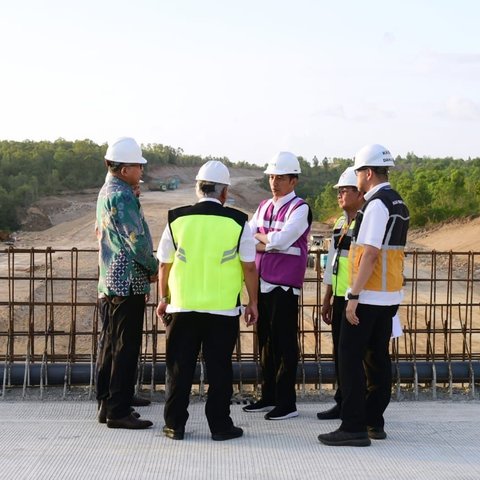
{"points": [[62, 440]]}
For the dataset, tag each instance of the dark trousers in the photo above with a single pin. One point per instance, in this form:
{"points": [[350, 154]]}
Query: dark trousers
{"points": [[365, 367], [277, 329], [119, 347], [338, 306], [216, 336]]}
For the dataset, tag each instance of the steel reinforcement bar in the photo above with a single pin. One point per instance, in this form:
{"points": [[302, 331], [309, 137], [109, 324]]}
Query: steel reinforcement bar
{"points": [[49, 323]]}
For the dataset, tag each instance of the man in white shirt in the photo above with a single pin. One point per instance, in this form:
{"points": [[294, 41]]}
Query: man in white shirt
{"points": [[281, 226], [206, 253], [376, 278]]}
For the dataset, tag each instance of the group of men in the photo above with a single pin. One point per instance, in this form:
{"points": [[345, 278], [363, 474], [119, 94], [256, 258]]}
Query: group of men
{"points": [[208, 251]]}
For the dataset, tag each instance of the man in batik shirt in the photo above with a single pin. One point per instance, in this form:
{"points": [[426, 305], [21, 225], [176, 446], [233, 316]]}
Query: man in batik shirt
{"points": [[127, 266]]}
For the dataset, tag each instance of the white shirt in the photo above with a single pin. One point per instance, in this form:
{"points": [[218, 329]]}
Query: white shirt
{"points": [[328, 271], [372, 231], [246, 251], [292, 230]]}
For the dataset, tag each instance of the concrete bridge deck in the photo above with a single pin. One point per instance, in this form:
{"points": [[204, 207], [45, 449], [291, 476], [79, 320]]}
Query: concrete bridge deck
{"points": [[62, 440]]}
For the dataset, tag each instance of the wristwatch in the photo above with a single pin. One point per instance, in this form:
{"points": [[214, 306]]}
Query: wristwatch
{"points": [[163, 299], [351, 296]]}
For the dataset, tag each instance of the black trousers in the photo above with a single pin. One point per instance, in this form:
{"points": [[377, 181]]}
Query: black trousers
{"points": [[338, 306], [277, 329], [365, 367], [119, 348], [216, 336]]}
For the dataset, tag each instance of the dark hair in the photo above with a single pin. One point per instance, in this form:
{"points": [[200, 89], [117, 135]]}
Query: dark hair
{"points": [[206, 187], [380, 170], [114, 166]]}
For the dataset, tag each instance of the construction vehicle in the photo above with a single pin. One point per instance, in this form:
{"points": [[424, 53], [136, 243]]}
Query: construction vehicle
{"points": [[170, 183], [157, 184]]}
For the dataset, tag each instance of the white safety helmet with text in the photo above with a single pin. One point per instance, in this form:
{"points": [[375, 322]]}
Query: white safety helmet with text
{"points": [[214, 171], [373, 156], [347, 179], [124, 150], [283, 163]]}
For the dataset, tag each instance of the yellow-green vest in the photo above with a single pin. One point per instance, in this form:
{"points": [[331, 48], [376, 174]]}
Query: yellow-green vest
{"points": [[206, 274]]}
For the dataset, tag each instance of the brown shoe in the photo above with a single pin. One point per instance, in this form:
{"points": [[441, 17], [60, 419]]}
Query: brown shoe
{"points": [[376, 433], [102, 412], [129, 422]]}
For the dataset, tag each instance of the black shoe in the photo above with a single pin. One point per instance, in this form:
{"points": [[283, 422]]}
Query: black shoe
{"points": [[339, 438], [376, 433], [140, 401], [102, 412], [177, 434], [281, 413], [329, 414], [129, 422], [260, 406], [234, 432]]}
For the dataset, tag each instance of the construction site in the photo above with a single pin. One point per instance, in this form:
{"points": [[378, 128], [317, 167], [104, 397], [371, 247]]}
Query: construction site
{"points": [[49, 332], [49, 323]]}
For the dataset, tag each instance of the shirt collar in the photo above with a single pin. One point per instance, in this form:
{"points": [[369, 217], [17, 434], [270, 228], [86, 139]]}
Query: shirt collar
{"points": [[283, 200], [113, 179], [207, 199], [375, 189]]}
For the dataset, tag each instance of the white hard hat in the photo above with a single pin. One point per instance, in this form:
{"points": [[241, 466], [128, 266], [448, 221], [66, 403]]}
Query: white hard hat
{"points": [[347, 179], [283, 163], [373, 156], [214, 171], [124, 150]]}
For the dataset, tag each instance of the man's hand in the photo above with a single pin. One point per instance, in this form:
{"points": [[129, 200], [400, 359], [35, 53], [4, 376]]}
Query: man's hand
{"points": [[153, 278], [351, 312], [161, 308], [251, 314], [327, 312], [262, 238]]}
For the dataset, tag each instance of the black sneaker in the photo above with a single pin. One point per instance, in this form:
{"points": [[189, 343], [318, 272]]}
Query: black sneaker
{"points": [[233, 432], [281, 413], [376, 433], [329, 414], [339, 438], [260, 406]]}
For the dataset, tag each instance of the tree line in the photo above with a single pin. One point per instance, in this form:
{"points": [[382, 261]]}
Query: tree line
{"points": [[435, 189], [31, 170]]}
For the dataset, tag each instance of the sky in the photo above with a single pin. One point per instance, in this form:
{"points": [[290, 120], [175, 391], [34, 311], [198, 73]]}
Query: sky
{"points": [[245, 79]]}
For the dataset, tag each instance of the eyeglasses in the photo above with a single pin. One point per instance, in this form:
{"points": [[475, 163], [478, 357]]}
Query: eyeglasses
{"points": [[361, 169], [344, 190]]}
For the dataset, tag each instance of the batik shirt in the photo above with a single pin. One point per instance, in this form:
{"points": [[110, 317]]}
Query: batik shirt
{"points": [[126, 258]]}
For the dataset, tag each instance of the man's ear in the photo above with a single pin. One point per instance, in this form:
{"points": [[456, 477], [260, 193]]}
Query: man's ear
{"points": [[224, 194]]}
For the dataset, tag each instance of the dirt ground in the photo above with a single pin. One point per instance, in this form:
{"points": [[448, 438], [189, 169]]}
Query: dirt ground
{"points": [[68, 220], [73, 216], [72, 219]]}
